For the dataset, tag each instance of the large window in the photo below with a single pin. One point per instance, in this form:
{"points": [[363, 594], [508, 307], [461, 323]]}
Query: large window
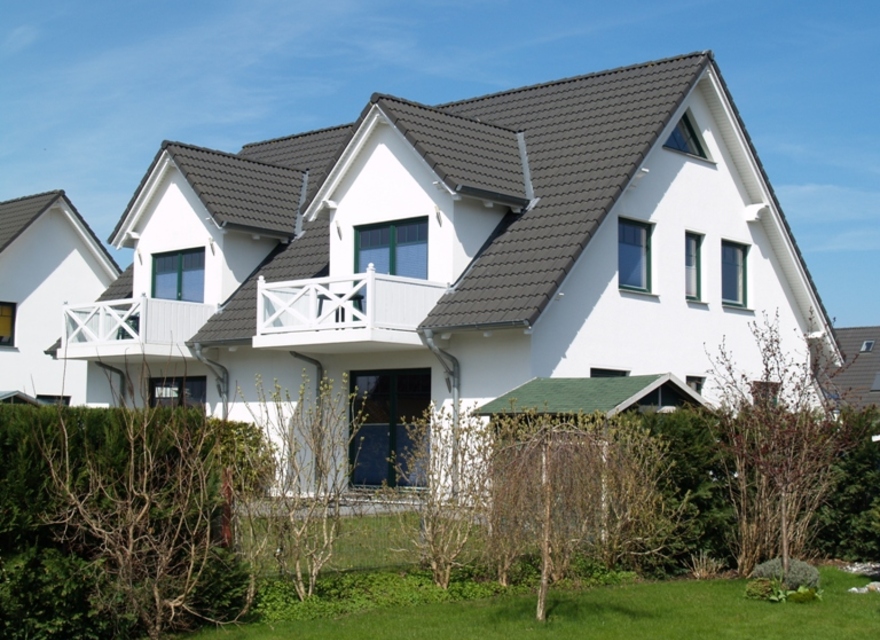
{"points": [[179, 275], [388, 401], [7, 324], [634, 255], [733, 273], [397, 248], [178, 392], [692, 280]]}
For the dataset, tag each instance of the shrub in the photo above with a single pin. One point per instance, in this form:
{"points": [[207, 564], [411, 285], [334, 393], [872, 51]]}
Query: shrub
{"points": [[799, 573], [759, 589]]}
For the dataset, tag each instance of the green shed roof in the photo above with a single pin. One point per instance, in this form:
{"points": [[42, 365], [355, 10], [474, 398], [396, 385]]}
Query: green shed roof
{"points": [[588, 395]]}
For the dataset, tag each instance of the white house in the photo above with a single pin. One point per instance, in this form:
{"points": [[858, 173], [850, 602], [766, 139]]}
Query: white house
{"points": [[609, 224], [48, 255]]}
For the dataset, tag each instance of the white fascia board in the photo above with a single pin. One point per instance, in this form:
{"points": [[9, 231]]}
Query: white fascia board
{"points": [[89, 240], [374, 118], [340, 169], [144, 197], [759, 191]]}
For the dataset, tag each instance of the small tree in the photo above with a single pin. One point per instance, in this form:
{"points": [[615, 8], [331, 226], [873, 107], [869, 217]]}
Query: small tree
{"points": [[782, 442], [301, 520], [446, 473]]}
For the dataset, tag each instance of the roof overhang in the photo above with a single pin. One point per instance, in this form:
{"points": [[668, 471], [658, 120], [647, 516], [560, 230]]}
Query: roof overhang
{"points": [[125, 234]]}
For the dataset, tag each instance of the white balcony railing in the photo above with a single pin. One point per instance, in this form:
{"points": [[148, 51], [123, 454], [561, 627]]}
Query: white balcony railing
{"points": [[360, 301], [144, 321]]}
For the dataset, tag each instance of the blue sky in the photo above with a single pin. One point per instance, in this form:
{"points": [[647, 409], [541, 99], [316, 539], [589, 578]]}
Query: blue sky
{"points": [[89, 89]]}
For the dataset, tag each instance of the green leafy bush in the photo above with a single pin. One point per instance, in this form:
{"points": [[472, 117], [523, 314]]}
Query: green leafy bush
{"points": [[803, 595], [759, 589], [799, 573]]}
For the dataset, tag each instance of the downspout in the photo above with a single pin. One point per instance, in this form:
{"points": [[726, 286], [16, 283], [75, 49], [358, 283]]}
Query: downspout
{"points": [[221, 373], [452, 369], [319, 370], [123, 380]]}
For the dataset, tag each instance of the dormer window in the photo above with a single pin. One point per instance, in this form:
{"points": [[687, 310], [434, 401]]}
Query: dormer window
{"points": [[395, 248], [867, 346], [684, 138], [179, 275]]}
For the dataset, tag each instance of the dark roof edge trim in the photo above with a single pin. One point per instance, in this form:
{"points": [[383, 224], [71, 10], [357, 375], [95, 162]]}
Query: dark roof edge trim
{"points": [[487, 326]]}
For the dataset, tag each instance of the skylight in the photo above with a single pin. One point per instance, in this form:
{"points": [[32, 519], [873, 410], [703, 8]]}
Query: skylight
{"points": [[867, 346], [684, 138]]}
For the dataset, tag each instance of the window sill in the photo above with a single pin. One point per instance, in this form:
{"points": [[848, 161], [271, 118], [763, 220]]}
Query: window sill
{"points": [[729, 306], [8, 347], [639, 292], [697, 303]]}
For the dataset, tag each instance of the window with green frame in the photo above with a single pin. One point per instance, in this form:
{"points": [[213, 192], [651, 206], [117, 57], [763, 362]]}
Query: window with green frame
{"points": [[734, 273], [397, 248], [179, 275], [634, 255], [7, 324], [685, 138], [692, 267], [388, 401]]}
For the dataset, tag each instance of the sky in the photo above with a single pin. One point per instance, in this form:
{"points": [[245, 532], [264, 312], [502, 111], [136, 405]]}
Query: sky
{"points": [[90, 89]]}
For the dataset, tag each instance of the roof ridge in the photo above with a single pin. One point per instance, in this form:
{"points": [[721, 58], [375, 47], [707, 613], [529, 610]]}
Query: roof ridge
{"points": [[226, 154], [578, 78], [251, 145], [374, 99], [55, 192]]}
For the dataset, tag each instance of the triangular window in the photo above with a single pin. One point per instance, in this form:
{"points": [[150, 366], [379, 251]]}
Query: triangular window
{"points": [[684, 138]]}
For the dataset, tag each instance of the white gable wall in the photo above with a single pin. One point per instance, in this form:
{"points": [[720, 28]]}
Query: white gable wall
{"points": [[174, 220], [46, 266], [595, 324], [389, 181]]}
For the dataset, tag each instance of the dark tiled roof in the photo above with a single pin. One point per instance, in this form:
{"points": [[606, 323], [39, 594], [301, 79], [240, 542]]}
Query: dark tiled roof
{"points": [[586, 137], [468, 155], [121, 288], [238, 191], [314, 151], [856, 379], [17, 215]]}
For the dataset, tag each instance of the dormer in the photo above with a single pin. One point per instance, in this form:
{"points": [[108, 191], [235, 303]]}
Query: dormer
{"points": [[417, 192], [202, 220]]}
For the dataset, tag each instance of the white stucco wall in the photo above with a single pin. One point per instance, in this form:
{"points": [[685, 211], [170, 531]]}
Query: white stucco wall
{"points": [[596, 324], [48, 265]]}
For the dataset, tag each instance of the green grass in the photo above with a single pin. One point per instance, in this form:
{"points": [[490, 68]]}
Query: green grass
{"points": [[676, 609]]}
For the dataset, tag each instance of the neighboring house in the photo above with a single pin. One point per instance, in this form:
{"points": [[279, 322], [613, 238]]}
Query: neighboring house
{"points": [[610, 224], [858, 381], [48, 256]]}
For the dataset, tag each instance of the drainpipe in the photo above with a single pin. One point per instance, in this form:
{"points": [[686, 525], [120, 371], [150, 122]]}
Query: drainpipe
{"points": [[221, 373], [452, 369], [319, 370], [123, 380]]}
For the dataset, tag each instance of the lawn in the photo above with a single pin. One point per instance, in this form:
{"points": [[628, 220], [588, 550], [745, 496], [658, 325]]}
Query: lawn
{"points": [[677, 609]]}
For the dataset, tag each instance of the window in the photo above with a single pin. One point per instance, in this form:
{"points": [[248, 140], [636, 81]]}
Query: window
{"points": [[179, 275], [684, 138], [634, 255], [7, 324], [867, 346], [733, 273], [389, 400], [63, 401], [178, 392], [608, 373], [696, 383], [692, 278], [397, 248]]}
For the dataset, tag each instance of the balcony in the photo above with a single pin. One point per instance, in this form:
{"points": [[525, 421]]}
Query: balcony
{"points": [[361, 312], [134, 327]]}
